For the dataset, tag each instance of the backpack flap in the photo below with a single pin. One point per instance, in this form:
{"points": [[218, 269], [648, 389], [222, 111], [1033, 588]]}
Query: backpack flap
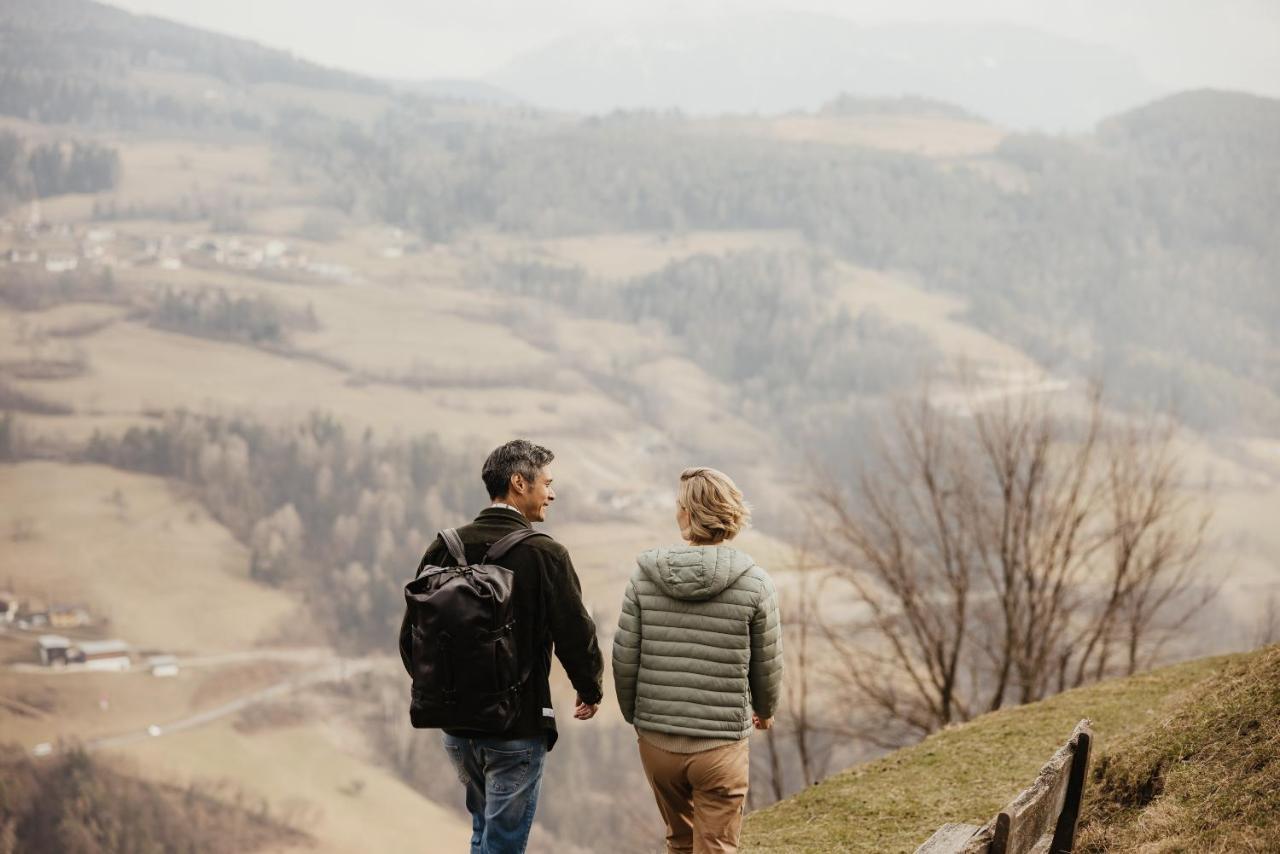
{"points": [[466, 669]]}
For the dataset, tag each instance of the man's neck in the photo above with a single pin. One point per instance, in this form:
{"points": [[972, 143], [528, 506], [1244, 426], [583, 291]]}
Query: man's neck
{"points": [[505, 506]]}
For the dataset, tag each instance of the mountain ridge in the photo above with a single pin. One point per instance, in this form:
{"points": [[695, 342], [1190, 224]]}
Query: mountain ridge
{"points": [[775, 63]]}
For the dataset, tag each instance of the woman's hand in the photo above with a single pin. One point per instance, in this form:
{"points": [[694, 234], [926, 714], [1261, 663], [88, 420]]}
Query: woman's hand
{"points": [[584, 711]]}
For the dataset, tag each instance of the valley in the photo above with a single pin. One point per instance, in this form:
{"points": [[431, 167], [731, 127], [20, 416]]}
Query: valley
{"points": [[243, 386]]}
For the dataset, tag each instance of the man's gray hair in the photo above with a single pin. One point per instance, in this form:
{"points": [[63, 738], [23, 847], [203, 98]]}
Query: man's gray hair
{"points": [[519, 456]]}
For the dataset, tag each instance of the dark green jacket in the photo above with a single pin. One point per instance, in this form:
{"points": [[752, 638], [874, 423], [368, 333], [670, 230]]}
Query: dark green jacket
{"points": [[549, 616]]}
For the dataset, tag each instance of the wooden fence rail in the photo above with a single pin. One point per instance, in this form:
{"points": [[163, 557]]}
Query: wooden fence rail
{"points": [[1040, 820]]}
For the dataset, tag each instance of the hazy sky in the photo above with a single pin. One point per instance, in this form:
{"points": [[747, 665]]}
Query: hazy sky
{"points": [[1178, 43]]}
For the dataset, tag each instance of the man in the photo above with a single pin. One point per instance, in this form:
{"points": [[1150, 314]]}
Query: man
{"points": [[503, 772]]}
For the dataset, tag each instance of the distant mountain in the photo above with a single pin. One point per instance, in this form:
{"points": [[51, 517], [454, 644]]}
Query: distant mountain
{"points": [[1176, 130], [781, 62], [1225, 149], [75, 61], [94, 37]]}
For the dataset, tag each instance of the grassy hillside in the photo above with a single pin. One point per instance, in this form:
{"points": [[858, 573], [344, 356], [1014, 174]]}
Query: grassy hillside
{"points": [[134, 552], [1207, 778], [1187, 757], [348, 801]]}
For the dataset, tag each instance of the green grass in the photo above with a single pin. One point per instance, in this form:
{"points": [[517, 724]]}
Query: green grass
{"points": [[967, 773], [1206, 778]]}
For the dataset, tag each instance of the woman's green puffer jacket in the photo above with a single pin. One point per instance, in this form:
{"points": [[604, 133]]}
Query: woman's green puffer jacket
{"points": [[699, 645]]}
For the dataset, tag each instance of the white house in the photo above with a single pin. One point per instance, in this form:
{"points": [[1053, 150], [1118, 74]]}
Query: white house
{"points": [[61, 263], [105, 655], [163, 665]]}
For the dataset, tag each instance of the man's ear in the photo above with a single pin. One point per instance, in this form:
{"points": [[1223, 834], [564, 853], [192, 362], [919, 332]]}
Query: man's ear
{"points": [[517, 484]]}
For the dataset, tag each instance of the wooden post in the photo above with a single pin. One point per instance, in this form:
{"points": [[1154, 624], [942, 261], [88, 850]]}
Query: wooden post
{"points": [[1000, 842], [1064, 835]]}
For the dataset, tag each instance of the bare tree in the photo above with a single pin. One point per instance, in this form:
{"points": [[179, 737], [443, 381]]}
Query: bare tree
{"points": [[797, 750], [1000, 556], [1154, 534], [904, 553]]}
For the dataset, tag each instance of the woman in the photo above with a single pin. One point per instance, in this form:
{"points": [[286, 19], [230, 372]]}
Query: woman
{"points": [[697, 660]]}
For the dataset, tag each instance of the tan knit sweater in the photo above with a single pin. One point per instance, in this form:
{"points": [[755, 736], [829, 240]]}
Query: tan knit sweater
{"points": [[682, 743]]}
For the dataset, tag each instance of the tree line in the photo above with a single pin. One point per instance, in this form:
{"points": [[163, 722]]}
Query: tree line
{"points": [[215, 313], [54, 168], [340, 519]]}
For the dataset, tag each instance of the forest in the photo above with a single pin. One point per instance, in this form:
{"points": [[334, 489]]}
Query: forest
{"points": [[51, 169], [333, 517], [1162, 206]]}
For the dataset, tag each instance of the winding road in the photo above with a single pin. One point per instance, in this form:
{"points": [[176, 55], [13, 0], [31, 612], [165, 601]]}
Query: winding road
{"points": [[332, 670]]}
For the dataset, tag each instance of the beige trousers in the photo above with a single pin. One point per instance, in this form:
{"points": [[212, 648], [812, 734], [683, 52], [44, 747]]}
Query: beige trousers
{"points": [[700, 795]]}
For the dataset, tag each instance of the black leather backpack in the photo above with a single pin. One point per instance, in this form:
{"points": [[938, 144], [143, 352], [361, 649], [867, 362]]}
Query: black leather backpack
{"points": [[467, 673]]}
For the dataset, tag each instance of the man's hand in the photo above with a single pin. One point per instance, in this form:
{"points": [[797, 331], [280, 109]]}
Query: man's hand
{"points": [[761, 723], [584, 711]]}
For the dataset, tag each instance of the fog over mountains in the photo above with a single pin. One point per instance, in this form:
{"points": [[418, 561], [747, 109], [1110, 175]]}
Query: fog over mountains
{"points": [[780, 62]]}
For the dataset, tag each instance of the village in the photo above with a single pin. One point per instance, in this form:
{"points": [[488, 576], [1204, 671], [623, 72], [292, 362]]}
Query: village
{"points": [[29, 240], [79, 649]]}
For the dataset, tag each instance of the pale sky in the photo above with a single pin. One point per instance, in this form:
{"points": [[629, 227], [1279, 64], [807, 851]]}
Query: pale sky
{"points": [[1178, 44]]}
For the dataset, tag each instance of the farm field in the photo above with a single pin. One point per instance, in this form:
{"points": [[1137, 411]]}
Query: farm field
{"points": [[81, 707], [135, 552], [305, 774], [622, 255]]}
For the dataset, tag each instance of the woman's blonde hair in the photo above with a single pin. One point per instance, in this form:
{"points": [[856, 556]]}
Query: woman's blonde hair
{"points": [[714, 504]]}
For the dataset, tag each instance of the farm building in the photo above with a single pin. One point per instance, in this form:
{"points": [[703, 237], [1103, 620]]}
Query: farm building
{"points": [[54, 650], [61, 263], [104, 655], [69, 616], [33, 619]]}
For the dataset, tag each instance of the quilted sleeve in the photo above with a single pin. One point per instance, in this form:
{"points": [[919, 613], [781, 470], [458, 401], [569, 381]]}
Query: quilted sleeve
{"points": [[626, 652], [765, 674]]}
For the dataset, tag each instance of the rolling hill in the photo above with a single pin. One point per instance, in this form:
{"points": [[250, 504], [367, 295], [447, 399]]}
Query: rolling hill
{"points": [[1185, 759]]}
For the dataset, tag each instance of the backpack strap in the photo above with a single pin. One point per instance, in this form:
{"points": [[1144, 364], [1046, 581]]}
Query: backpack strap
{"points": [[454, 544], [495, 553], [507, 543]]}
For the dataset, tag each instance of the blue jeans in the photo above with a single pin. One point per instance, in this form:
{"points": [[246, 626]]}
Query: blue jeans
{"points": [[503, 778]]}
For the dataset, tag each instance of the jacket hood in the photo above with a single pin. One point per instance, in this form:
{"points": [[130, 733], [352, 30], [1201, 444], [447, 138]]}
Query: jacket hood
{"points": [[694, 572]]}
